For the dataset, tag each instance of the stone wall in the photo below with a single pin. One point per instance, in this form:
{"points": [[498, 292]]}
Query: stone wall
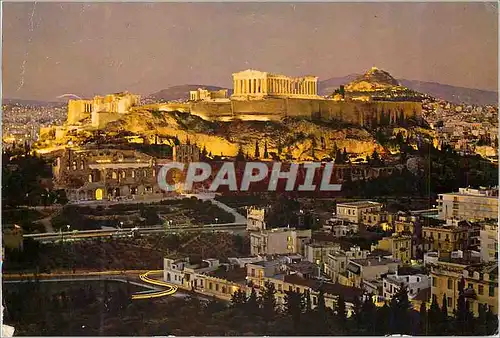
{"points": [[363, 113], [101, 119]]}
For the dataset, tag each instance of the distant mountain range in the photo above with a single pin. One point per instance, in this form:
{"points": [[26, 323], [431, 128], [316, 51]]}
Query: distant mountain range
{"points": [[449, 93]]}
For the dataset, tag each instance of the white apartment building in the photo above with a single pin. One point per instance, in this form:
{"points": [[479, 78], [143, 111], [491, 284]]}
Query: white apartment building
{"points": [[318, 253], [353, 211], [414, 284], [469, 204], [279, 241], [488, 239], [336, 262]]}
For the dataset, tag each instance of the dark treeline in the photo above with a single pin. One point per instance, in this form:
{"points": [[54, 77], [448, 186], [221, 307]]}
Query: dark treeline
{"points": [[297, 317]]}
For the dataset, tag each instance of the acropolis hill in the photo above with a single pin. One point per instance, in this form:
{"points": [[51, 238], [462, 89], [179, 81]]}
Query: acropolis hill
{"points": [[288, 103], [256, 96]]}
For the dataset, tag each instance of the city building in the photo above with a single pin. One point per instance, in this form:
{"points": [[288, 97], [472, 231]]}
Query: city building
{"points": [[400, 247], [369, 268], [413, 283], [256, 219], [336, 262], [202, 94], [186, 153], [112, 104], [469, 204], [381, 219], [353, 211], [406, 223], [256, 84], [290, 278], [488, 239], [449, 236], [481, 283], [318, 253], [340, 228], [279, 241], [105, 173]]}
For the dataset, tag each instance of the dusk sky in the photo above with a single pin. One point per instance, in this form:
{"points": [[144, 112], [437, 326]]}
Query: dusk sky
{"points": [[50, 49]]}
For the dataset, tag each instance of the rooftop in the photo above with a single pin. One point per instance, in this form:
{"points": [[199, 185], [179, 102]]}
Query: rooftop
{"points": [[360, 204], [231, 274], [373, 261], [349, 293]]}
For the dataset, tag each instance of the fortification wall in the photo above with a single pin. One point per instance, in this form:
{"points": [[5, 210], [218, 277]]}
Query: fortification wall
{"points": [[363, 113], [101, 119], [211, 110]]}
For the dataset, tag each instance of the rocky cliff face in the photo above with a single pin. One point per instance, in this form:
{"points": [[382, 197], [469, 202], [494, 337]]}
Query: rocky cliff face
{"points": [[300, 139]]}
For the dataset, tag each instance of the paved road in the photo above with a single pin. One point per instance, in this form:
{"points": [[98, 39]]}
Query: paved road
{"points": [[238, 228]]}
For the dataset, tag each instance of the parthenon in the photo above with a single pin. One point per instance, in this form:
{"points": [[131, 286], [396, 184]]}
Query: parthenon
{"points": [[255, 84]]}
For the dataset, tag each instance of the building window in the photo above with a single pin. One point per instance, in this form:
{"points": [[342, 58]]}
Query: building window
{"points": [[210, 285], [82, 165], [315, 300], [114, 176], [450, 284], [289, 238], [74, 165], [290, 288], [133, 173], [449, 303], [123, 174], [491, 292], [480, 289], [252, 273], [90, 178]]}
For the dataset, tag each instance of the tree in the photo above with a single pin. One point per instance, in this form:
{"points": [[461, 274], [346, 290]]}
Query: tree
{"points": [[338, 157], [491, 322], [345, 157], [375, 157], [342, 90], [463, 317], [268, 300], [266, 154], [341, 312], [293, 307], [238, 299], [434, 317], [204, 152], [400, 307], [253, 303], [257, 151], [384, 320], [368, 316], [240, 156], [424, 328], [321, 318], [307, 301]]}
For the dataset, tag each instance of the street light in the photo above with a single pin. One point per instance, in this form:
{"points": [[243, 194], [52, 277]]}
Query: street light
{"points": [[121, 225], [216, 219]]}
